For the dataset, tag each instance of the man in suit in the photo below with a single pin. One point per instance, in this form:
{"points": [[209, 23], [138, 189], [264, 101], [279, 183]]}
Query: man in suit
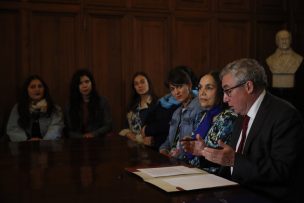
{"points": [[266, 157]]}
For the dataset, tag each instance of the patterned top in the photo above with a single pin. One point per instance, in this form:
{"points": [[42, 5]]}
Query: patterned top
{"points": [[221, 129], [137, 117]]}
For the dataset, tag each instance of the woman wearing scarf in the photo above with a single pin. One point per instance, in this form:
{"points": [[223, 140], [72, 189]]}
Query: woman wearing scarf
{"points": [[156, 127], [35, 116], [181, 124], [214, 122]]}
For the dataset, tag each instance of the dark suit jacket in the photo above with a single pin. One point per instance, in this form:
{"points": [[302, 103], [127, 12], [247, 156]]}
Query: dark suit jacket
{"points": [[272, 152]]}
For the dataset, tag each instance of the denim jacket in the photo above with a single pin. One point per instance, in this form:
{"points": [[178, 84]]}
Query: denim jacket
{"points": [[186, 125]]}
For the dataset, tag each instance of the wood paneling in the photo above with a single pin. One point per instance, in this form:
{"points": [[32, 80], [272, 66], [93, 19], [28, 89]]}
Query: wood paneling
{"points": [[297, 7], [235, 5], [104, 40], [298, 26], [108, 3], [192, 44], [151, 48], [115, 38], [203, 5], [54, 50], [9, 62], [266, 31], [234, 39], [56, 1], [271, 5], [160, 4], [298, 37]]}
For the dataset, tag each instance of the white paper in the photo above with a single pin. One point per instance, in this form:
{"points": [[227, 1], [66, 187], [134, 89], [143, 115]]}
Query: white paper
{"points": [[198, 181], [168, 171]]}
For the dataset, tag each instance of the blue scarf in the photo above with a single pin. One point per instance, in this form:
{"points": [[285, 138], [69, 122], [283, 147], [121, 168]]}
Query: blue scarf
{"points": [[206, 123], [202, 129]]}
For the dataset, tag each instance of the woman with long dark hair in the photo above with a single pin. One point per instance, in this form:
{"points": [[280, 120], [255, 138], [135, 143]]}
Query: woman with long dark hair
{"points": [[141, 101], [87, 114], [214, 123], [35, 116]]}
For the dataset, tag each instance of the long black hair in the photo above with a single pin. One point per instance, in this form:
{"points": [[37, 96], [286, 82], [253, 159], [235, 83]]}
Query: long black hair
{"points": [[135, 97], [24, 102], [76, 100]]}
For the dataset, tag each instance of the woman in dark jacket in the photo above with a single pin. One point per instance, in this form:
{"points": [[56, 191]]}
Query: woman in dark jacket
{"points": [[87, 114]]}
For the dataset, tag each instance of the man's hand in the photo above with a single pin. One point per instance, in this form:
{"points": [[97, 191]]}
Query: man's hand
{"points": [[223, 156]]}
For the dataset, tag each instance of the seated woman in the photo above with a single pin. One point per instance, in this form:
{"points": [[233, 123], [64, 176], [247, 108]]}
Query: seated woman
{"points": [[35, 116], [87, 114], [142, 100], [214, 122], [156, 127], [182, 121], [157, 124]]}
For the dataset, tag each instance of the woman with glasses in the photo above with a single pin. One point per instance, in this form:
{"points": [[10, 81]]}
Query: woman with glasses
{"points": [[214, 123], [181, 125]]}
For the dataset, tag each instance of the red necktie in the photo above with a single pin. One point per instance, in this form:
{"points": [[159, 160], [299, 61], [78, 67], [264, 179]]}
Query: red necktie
{"points": [[244, 130]]}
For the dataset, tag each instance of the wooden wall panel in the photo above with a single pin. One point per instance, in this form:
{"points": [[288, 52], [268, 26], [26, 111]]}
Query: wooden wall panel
{"points": [[160, 4], [55, 1], [265, 34], [266, 31], [104, 40], [297, 8], [203, 5], [298, 25], [234, 39], [151, 48], [115, 38], [109, 3], [54, 50], [279, 6], [9, 62], [235, 5], [192, 44], [298, 37]]}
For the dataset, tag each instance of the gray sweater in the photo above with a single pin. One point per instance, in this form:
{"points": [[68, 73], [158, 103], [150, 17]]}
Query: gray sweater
{"points": [[50, 127]]}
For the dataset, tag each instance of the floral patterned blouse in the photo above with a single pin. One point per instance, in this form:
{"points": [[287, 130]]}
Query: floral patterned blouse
{"points": [[221, 129]]}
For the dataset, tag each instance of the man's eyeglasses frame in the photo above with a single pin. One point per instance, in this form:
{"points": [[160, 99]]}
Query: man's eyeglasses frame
{"points": [[229, 90]]}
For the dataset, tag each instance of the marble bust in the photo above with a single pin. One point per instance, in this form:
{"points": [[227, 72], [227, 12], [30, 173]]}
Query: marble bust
{"points": [[284, 62]]}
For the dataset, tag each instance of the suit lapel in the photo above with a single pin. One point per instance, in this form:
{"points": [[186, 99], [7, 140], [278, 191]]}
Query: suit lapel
{"points": [[257, 123], [236, 132]]}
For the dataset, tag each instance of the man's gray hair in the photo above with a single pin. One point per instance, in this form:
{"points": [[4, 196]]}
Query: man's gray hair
{"points": [[246, 69]]}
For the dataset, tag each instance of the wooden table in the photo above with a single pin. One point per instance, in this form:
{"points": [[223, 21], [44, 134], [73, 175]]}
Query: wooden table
{"points": [[93, 171]]}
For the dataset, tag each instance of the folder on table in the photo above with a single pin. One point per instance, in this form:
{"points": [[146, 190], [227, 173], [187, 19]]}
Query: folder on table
{"points": [[180, 178]]}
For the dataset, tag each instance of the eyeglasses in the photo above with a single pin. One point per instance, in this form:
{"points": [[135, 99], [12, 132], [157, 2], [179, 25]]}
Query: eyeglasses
{"points": [[229, 90]]}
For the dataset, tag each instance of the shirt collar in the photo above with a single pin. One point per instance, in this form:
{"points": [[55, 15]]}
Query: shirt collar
{"points": [[256, 105]]}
